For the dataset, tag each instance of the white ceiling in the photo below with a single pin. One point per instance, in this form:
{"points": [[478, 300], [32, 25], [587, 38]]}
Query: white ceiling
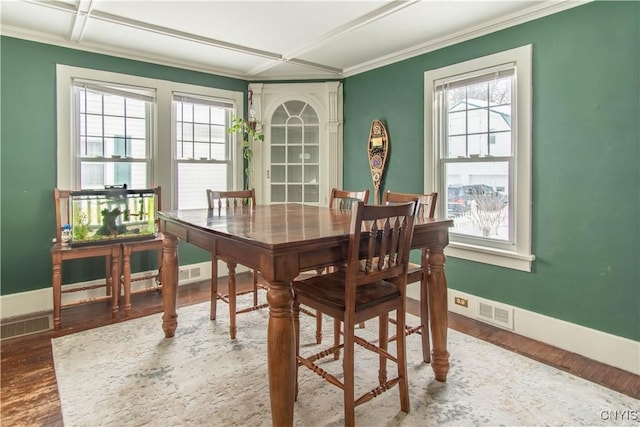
{"points": [[266, 40]]}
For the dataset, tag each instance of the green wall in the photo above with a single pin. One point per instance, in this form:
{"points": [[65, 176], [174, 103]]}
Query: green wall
{"points": [[28, 158], [586, 161]]}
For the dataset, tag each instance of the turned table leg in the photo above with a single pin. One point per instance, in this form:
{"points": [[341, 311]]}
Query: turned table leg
{"points": [[169, 284], [438, 308], [281, 353]]}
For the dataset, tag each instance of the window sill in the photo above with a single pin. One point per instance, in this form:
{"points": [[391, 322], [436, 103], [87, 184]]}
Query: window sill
{"points": [[500, 258]]}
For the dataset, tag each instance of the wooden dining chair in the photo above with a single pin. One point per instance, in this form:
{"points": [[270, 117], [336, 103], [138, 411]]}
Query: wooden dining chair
{"points": [[416, 273], [372, 285], [345, 199], [237, 202], [338, 199]]}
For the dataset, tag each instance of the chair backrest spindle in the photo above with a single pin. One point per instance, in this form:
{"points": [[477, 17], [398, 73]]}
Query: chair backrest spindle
{"points": [[343, 199], [231, 199], [427, 201]]}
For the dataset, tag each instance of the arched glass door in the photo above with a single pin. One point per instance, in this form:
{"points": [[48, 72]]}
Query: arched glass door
{"points": [[295, 153]]}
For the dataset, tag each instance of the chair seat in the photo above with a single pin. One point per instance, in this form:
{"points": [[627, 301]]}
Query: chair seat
{"points": [[328, 291]]}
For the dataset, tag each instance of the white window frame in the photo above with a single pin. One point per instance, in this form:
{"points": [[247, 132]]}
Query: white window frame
{"points": [[141, 94], [227, 161], [516, 254], [162, 151]]}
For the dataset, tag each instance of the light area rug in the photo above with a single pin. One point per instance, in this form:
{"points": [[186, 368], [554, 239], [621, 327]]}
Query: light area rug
{"points": [[128, 374]]}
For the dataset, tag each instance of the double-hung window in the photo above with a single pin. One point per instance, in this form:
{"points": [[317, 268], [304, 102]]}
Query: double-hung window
{"points": [[116, 129], [203, 151], [478, 155], [113, 134]]}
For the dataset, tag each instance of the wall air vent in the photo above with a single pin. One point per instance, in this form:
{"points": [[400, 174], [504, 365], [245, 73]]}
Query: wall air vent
{"points": [[495, 314], [21, 327]]}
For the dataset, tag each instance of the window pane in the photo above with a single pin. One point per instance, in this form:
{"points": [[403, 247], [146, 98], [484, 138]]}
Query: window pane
{"points": [[457, 146], [201, 132], [311, 175], [185, 131], [478, 198], [113, 105], [278, 174], [195, 178], [218, 133], [477, 145], [91, 147], [294, 154], [93, 102], [294, 193], [201, 113], [478, 121], [500, 91], [477, 95], [311, 194], [500, 144], [294, 135], [278, 154], [295, 107], [280, 116], [93, 125], [201, 151], [219, 151], [277, 135], [138, 148], [184, 150], [311, 134], [136, 108], [92, 175], [311, 154], [309, 116], [95, 175], [500, 118], [294, 174], [456, 99], [137, 128], [278, 193], [457, 123], [187, 112], [114, 127]]}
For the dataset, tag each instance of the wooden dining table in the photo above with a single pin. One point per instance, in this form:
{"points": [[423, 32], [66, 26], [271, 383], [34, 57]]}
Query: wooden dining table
{"points": [[281, 241]]}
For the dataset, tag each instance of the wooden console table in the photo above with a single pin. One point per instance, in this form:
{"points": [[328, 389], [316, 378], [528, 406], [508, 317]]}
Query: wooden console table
{"points": [[281, 241]]}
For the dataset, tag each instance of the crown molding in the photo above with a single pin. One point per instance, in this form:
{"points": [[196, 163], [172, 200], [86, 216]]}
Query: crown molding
{"points": [[44, 38], [320, 71], [535, 12]]}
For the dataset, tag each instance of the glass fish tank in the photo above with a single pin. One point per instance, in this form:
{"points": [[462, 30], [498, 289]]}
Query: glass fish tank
{"points": [[112, 215]]}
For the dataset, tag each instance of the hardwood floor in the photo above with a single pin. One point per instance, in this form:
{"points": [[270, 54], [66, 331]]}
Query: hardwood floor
{"points": [[29, 393]]}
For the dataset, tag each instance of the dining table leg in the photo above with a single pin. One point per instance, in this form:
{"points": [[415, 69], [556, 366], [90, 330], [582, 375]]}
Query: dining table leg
{"points": [[281, 356], [169, 284], [437, 288]]}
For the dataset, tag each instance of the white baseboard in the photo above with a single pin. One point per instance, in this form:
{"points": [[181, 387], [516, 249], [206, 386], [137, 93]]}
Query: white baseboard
{"points": [[609, 349], [41, 300]]}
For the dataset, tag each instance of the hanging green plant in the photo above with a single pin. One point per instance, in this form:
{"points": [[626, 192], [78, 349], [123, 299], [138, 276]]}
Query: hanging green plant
{"points": [[250, 130]]}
